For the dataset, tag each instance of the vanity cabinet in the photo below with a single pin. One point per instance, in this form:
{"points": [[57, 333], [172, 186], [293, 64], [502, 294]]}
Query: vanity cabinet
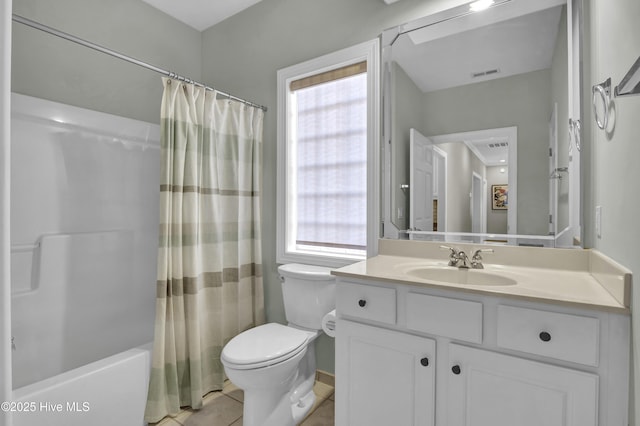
{"points": [[418, 355], [389, 379], [488, 388]]}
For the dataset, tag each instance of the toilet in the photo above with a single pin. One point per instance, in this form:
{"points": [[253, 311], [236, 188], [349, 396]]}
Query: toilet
{"points": [[275, 364]]}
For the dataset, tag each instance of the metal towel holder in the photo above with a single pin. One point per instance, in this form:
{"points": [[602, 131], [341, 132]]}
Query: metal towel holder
{"points": [[603, 90], [630, 85]]}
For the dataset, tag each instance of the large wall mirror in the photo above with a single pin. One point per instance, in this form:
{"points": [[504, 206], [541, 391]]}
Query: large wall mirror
{"points": [[482, 125]]}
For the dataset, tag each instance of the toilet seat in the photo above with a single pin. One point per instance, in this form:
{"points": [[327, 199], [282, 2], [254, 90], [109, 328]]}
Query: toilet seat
{"points": [[264, 345]]}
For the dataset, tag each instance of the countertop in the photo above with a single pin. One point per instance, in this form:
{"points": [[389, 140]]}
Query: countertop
{"points": [[595, 282]]}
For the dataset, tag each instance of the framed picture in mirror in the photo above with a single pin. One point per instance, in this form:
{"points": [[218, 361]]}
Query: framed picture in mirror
{"points": [[499, 197]]}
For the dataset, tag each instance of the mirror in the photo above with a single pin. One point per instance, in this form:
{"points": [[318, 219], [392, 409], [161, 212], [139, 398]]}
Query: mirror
{"points": [[481, 125]]}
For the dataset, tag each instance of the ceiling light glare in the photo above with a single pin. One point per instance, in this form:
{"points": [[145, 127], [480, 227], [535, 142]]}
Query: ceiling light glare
{"points": [[479, 5]]}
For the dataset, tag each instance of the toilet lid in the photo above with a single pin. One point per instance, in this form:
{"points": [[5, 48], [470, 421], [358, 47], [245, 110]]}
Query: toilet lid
{"points": [[264, 345]]}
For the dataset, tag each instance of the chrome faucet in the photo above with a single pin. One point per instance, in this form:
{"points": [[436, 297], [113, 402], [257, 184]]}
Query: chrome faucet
{"points": [[456, 256], [476, 259]]}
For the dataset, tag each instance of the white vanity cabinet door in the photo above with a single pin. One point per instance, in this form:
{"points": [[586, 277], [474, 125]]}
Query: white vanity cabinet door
{"points": [[491, 389], [384, 377]]}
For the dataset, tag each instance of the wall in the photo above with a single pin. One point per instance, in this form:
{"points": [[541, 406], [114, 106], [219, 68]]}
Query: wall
{"points": [[559, 90], [498, 103], [5, 181], [406, 113], [47, 67], [242, 55], [496, 219], [461, 164], [614, 172]]}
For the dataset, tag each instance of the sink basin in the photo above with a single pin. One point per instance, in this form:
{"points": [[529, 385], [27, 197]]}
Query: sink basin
{"points": [[459, 276]]}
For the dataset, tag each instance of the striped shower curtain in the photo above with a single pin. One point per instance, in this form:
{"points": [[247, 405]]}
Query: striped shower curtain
{"points": [[209, 285]]}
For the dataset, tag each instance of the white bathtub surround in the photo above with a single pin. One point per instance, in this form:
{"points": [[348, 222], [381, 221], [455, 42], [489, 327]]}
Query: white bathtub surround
{"points": [[84, 234], [209, 282]]}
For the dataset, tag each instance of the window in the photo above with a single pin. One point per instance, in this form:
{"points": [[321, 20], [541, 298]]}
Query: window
{"points": [[327, 158]]}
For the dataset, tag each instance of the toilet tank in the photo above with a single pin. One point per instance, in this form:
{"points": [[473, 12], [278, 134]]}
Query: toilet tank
{"points": [[309, 292]]}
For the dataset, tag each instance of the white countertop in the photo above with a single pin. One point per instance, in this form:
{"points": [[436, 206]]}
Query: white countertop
{"points": [[595, 282]]}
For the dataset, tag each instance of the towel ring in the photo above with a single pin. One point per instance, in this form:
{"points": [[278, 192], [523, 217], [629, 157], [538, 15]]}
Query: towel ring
{"points": [[575, 130], [604, 90]]}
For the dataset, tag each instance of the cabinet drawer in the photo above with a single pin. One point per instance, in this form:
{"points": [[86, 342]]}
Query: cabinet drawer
{"points": [[366, 302], [561, 336], [442, 316]]}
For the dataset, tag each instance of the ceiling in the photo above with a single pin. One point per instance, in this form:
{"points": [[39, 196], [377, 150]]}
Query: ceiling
{"points": [[201, 14], [514, 46]]}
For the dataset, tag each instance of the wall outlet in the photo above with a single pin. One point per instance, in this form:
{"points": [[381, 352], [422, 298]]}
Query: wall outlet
{"points": [[599, 221]]}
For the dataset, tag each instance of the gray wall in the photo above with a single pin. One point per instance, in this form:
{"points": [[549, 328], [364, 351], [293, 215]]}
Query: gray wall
{"points": [[48, 67], [496, 219], [613, 172], [522, 100], [461, 163], [406, 113], [559, 90]]}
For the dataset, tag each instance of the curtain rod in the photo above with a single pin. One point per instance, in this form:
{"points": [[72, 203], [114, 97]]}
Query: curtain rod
{"points": [[69, 37]]}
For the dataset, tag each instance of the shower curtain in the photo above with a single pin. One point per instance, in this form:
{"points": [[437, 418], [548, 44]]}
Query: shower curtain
{"points": [[209, 285]]}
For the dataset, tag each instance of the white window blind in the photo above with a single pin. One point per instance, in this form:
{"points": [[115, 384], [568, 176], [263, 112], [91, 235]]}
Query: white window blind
{"points": [[331, 170]]}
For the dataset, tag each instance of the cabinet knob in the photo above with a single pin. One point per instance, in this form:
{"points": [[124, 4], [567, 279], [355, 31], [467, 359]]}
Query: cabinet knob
{"points": [[544, 336], [362, 303], [455, 369], [424, 361]]}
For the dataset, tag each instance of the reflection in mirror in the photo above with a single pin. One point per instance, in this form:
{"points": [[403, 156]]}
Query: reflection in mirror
{"points": [[476, 110]]}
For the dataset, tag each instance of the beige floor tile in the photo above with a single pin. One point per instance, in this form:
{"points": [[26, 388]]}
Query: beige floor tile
{"points": [[324, 415], [167, 421], [211, 396], [237, 422], [221, 411], [233, 391]]}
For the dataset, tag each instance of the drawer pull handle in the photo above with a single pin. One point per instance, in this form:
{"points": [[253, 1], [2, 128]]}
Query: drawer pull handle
{"points": [[456, 369], [544, 336], [362, 303], [424, 361]]}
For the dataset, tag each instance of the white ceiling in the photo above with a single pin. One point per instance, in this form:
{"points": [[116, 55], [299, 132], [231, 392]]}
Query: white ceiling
{"points": [[514, 46], [201, 14]]}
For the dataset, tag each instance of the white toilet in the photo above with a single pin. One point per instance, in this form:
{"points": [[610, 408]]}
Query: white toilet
{"points": [[275, 364]]}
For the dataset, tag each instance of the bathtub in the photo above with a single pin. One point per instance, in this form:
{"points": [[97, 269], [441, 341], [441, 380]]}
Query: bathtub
{"points": [[112, 391], [84, 235]]}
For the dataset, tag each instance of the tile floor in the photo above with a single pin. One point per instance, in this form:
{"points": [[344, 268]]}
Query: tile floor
{"points": [[224, 408]]}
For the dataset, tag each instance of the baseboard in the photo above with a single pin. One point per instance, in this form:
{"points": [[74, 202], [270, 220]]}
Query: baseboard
{"points": [[326, 378]]}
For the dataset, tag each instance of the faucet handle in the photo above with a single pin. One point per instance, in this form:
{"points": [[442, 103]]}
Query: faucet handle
{"points": [[476, 254], [453, 250], [476, 259], [454, 256]]}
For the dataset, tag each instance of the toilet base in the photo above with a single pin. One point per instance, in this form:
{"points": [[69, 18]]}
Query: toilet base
{"points": [[302, 408]]}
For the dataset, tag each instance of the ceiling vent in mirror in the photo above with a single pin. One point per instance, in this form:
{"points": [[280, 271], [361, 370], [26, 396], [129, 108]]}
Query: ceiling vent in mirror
{"points": [[485, 73], [498, 145]]}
